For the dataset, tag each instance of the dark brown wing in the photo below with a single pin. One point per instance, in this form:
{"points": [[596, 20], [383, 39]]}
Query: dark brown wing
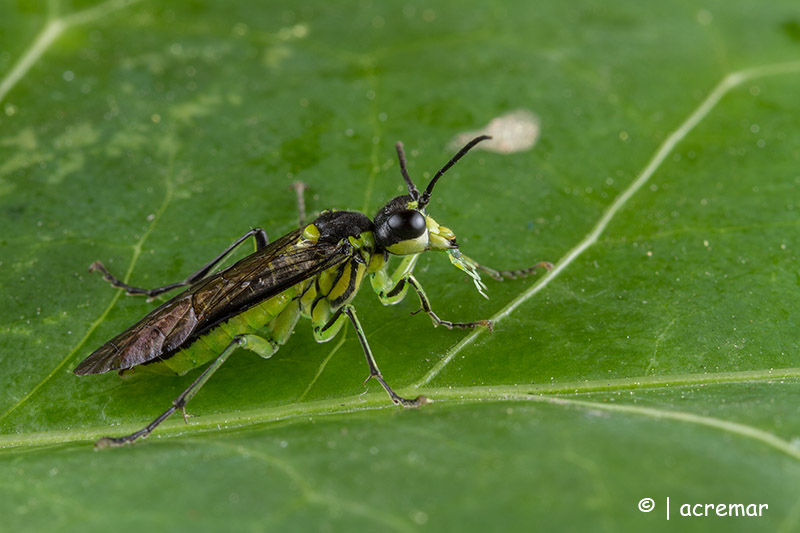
{"points": [[214, 299]]}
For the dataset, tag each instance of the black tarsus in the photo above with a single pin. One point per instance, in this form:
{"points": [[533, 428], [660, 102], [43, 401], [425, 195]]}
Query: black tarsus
{"points": [[500, 275]]}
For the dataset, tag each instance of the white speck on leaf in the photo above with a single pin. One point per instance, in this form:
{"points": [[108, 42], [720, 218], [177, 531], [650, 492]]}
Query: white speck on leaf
{"points": [[516, 131]]}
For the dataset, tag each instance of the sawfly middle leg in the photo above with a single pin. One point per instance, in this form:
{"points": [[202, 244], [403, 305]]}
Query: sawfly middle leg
{"points": [[426, 306], [258, 234], [332, 327]]}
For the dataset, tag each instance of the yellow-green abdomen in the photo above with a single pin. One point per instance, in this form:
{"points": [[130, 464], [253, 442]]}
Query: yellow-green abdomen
{"points": [[272, 319]]}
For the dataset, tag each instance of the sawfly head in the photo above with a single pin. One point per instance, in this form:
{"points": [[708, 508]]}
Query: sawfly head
{"points": [[402, 227]]}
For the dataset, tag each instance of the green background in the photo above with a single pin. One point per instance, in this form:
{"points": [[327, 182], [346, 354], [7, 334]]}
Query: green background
{"points": [[659, 359]]}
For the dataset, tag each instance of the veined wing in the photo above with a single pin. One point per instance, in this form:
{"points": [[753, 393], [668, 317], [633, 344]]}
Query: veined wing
{"points": [[257, 277]]}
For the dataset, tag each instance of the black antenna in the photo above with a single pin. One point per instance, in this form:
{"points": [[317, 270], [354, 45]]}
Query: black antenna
{"points": [[412, 189], [426, 196]]}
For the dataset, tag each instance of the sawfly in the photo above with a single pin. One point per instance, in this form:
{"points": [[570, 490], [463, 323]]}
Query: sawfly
{"points": [[313, 271]]}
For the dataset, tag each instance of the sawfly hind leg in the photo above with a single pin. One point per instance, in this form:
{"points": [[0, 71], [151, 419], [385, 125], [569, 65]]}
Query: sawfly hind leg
{"points": [[259, 345], [258, 234]]}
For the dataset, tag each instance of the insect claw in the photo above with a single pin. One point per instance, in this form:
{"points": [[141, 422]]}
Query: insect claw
{"points": [[185, 415], [419, 401], [109, 442], [105, 442], [98, 266], [417, 311]]}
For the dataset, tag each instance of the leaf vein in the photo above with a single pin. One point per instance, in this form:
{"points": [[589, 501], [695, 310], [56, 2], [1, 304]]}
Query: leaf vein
{"points": [[137, 251], [555, 394], [728, 83], [313, 495], [51, 31]]}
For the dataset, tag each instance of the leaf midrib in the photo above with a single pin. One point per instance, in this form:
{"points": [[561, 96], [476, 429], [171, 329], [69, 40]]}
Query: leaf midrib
{"points": [[559, 393]]}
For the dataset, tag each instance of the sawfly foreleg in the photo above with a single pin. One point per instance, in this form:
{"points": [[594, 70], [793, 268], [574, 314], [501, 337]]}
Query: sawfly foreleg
{"points": [[391, 289], [426, 306], [261, 346], [374, 371], [500, 275], [258, 234]]}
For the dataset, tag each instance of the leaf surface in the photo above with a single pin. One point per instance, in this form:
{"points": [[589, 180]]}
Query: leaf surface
{"points": [[658, 359]]}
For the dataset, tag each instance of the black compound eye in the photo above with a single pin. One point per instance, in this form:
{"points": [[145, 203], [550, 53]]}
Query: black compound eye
{"points": [[407, 224]]}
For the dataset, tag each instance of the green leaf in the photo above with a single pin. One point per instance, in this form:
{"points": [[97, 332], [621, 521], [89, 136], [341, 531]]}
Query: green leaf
{"points": [[657, 360]]}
